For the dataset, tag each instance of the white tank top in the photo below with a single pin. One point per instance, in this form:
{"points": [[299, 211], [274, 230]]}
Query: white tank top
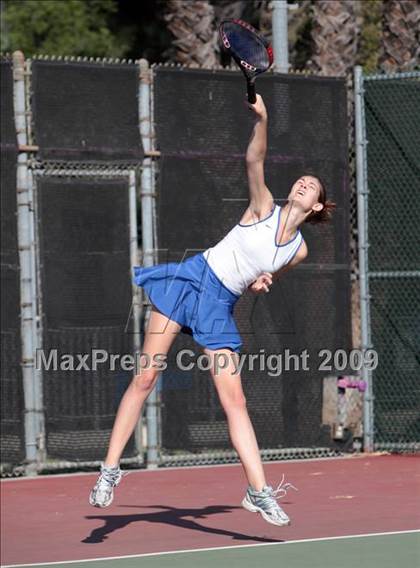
{"points": [[248, 250]]}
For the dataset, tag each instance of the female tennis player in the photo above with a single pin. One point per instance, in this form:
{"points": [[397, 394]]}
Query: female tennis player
{"points": [[197, 296]]}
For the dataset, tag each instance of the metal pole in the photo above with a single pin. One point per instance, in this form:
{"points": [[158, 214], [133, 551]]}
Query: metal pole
{"points": [[37, 321], [34, 418], [155, 154], [36, 267], [137, 308], [362, 222], [280, 36], [147, 198]]}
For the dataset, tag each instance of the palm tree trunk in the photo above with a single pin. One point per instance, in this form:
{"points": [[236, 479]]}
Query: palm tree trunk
{"points": [[195, 36], [335, 34], [401, 35]]}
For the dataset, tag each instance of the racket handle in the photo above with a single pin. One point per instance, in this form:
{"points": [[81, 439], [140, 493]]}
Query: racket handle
{"points": [[252, 98]]}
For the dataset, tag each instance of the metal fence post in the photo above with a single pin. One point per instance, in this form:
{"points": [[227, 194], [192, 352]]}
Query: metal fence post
{"points": [[147, 204], [136, 308], [32, 385], [362, 221], [280, 36]]}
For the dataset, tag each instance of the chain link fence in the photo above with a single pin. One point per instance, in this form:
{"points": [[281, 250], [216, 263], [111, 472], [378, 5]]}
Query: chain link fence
{"points": [[12, 404], [71, 166], [202, 178], [84, 155], [391, 254]]}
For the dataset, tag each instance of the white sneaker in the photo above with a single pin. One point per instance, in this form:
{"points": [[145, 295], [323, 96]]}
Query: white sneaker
{"points": [[102, 494], [265, 502]]}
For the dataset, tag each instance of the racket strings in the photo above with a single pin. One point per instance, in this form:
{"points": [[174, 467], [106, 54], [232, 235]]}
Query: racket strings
{"points": [[246, 46]]}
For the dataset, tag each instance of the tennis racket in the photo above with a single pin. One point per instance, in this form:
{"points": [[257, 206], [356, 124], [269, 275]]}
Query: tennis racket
{"points": [[250, 51]]}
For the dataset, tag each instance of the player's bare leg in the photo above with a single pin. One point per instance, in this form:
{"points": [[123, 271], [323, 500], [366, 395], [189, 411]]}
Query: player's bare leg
{"points": [[229, 388], [159, 337], [260, 497]]}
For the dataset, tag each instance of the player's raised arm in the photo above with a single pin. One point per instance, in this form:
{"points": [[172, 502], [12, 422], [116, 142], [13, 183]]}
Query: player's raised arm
{"points": [[261, 199]]}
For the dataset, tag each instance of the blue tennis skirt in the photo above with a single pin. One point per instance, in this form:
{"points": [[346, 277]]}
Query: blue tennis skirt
{"points": [[190, 293]]}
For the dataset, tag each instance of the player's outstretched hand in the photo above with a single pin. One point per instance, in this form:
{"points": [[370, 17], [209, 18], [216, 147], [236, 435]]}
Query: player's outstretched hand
{"points": [[258, 107], [262, 284]]}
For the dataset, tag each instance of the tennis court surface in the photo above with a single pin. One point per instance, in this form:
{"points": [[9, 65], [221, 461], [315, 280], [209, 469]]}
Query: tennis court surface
{"points": [[352, 511]]}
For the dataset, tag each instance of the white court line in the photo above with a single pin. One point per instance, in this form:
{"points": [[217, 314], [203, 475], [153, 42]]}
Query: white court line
{"points": [[363, 535], [183, 467]]}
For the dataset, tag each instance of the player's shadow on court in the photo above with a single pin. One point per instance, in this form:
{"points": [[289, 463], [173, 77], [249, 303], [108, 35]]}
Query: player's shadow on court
{"points": [[169, 516]]}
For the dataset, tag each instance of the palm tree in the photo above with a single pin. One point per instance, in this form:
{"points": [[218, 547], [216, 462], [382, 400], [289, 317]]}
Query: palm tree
{"points": [[263, 16], [299, 33], [400, 39], [335, 34], [192, 24]]}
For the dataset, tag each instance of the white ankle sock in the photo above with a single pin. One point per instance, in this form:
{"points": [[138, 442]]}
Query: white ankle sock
{"points": [[110, 466]]}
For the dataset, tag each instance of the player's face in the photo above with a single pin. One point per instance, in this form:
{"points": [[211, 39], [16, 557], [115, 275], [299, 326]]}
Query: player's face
{"points": [[305, 191]]}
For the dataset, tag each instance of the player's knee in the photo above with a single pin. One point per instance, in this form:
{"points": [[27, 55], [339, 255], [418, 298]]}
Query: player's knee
{"points": [[146, 380]]}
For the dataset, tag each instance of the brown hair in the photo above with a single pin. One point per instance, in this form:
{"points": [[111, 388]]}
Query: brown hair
{"points": [[325, 215]]}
